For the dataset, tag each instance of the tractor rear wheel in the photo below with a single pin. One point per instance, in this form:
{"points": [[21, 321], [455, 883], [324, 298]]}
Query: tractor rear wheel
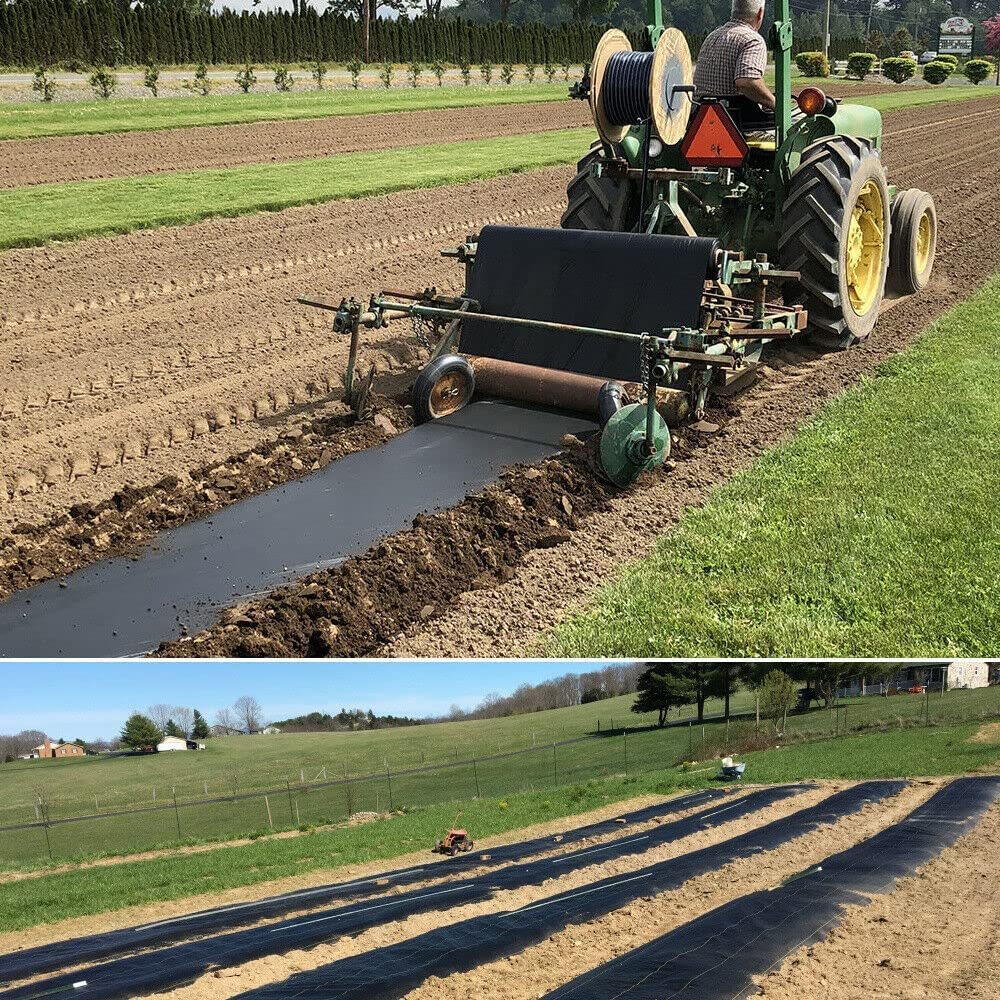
{"points": [[836, 233], [599, 203], [914, 241]]}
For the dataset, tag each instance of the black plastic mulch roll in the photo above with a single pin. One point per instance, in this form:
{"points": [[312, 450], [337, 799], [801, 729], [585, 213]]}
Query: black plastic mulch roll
{"points": [[395, 970], [174, 966], [34, 961], [633, 282], [716, 956]]}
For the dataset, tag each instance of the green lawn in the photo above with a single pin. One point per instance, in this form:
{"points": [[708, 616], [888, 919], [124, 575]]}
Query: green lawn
{"points": [[45, 212], [913, 98], [874, 532], [46, 898], [34, 120]]}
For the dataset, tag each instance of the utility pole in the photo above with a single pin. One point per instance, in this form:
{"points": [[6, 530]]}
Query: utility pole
{"points": [[868, 34], [826, 31]]}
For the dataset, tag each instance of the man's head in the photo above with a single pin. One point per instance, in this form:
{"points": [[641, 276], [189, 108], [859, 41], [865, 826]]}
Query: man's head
{"points": [[750, 11]]}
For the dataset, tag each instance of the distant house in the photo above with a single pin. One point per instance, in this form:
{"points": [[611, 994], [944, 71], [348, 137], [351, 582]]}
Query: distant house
{"points": [[226, 731], [170, 743], [50, 749], [957, 675], [270, 730]]}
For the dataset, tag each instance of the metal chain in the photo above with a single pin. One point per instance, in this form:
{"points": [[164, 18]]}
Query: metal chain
{"points": [[420, 332], [644, 360]]}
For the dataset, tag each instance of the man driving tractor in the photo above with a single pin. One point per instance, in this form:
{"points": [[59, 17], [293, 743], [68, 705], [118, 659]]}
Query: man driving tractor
{"points": [[733, 58]]}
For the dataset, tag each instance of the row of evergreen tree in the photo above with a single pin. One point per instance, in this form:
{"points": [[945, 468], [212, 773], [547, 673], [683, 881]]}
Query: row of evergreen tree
{"points": [[112, 33]]}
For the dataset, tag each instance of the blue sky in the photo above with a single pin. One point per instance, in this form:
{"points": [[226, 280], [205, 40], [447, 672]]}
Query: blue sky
{"points": [[91, 700]]}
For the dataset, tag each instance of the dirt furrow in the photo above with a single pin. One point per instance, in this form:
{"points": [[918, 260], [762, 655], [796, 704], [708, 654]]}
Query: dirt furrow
{"points": [[580, 947], [99, 390]]}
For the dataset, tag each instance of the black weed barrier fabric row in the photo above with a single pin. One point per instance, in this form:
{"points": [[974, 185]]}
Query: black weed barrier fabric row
{"points": [[395, 970], [50, 957], [717, 955], [174, 966]]}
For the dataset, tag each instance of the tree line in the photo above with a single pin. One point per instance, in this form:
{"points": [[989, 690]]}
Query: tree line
{"points": [[80, 33], [346, 720]]}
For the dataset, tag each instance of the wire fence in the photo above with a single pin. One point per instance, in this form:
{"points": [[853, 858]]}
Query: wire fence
{"points": [[616, 749]]}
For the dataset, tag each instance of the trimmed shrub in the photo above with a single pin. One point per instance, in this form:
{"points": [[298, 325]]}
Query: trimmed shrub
{"points": [[283, 80], [947, 58], [529, 71], [438, 69], [859, 64], [507, 73], [976, 70], [898, 70], [465, 68], [937, 72], [201, 81], [813, 64], [385, 74], [415, 69], [549, 70], [486, 70], [318, 73]]}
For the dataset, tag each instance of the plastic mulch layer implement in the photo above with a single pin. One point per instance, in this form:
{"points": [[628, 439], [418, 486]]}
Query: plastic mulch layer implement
{"points": [[395, 970], [76, 951], [718, 955], [174, 966]]}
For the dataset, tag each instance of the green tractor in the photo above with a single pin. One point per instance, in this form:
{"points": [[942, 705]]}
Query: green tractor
{"points": [[807, 187], [689, 243]]}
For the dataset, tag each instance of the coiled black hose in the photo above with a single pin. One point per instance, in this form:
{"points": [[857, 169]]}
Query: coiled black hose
{"points": [[625, 90]]}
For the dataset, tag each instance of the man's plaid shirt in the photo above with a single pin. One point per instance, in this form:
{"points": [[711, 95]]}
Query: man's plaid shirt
{"points": [[730, 53]]}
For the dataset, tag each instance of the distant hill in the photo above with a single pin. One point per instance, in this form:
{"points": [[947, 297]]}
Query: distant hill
{"points": [[355, 720]]}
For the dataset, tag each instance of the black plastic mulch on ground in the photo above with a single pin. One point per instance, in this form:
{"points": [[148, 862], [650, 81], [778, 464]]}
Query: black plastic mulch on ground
{"points": [[48, 958], [126, 606], [174, 966], [717, 955], [395, 970], [615, 281]]}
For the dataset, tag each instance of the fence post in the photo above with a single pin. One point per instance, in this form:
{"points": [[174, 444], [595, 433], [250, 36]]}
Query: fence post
{"points": [[690, 737], [236, 788], [846, 728], [388, 778], [475, 774], [703, 738], [291, 813], [756, 699], [350, 799], [267, 806], [927, 706], [555, 769], [177, 815], [625, 746]]}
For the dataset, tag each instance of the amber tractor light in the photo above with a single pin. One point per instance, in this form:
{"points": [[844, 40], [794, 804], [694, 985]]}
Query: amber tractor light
{"points": [[811, 100]]}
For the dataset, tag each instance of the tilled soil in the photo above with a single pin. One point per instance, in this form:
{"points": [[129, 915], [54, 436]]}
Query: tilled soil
{"points": [[133, 154], [581, 947], [185, 348]]}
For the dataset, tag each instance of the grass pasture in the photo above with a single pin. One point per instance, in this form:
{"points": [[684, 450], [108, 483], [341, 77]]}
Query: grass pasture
{"points": [[873, 532], [911, 752], [463, 771]]}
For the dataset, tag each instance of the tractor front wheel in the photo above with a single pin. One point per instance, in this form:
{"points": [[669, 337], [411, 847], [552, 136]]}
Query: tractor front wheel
{"points": [[599, 203], [914, 241], [835, 232]]}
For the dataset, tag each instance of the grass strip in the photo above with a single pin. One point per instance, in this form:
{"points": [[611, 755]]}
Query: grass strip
{"points": [[915, 751], [874, 532], [35, 215], [921, 97], [36, 120]]}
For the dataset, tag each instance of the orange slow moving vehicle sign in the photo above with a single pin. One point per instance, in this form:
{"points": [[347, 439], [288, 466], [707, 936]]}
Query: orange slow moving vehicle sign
{"points": [[713, 140]]}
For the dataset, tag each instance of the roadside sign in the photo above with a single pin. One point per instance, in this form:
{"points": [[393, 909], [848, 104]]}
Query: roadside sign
{"points": [[956, 37]]}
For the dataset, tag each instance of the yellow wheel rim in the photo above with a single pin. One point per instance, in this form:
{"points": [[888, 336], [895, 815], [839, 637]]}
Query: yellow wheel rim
{"points": [[865, 248], [925, 242]]}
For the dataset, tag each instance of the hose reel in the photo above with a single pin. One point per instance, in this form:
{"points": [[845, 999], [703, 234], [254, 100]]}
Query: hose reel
{"points": [[627, 87]]}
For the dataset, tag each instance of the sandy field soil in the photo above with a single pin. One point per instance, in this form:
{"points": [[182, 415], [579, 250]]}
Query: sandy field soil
{"points": [[184, 347], [132, 154]]}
